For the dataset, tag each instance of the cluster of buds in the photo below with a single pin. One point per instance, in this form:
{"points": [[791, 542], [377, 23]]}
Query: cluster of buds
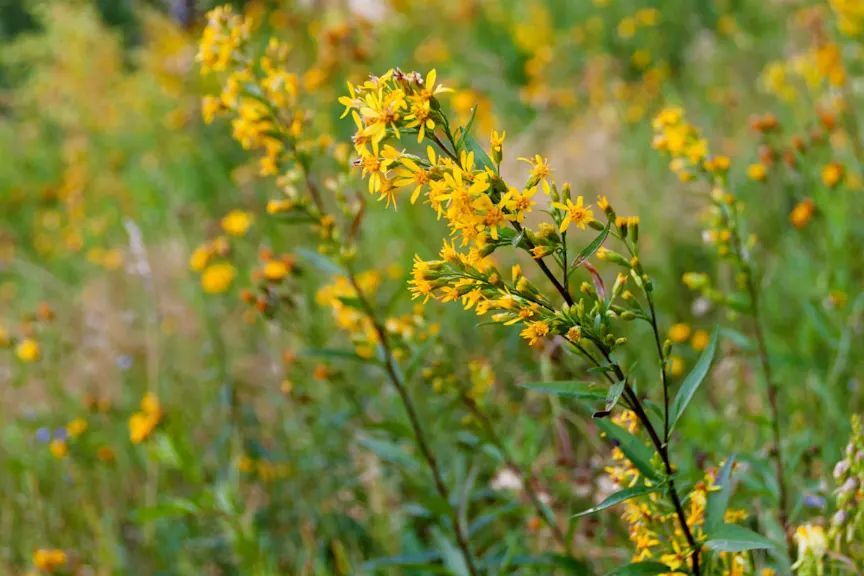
{"points": [[848, 521]]}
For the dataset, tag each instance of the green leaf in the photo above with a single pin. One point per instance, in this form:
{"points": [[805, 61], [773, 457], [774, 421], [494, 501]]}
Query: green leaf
{"points": [[589, 250], [620, 496], [614, 394], [351, 302], [170, 509], [321, 262], [480, 156], [735, 538], [573, 389], [718, 500], [452, 556], [693, 380], [467, 130], [639, 568], [570, 565], [389, 452], [338, 354], [633, 448], [419, 559]]}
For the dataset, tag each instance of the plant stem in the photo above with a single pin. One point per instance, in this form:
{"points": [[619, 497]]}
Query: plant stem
{"points": [[558, 286], [527, 477], [663, 377], [396, 378], [662, 449], [773, 391]]}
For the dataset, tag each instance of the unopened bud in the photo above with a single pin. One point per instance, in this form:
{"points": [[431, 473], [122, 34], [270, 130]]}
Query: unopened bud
{"points": [[597, 225], [839, 518], [628, 316], [667, 348], [620, 341], [840, 469]]}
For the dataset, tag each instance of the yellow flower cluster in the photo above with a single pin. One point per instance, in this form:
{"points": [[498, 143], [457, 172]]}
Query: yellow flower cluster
{"points": [[461, 183], [49, 560], [342, 298], [653, 525], [217, 274], [260, 93], [143, 422], [850, 16]]}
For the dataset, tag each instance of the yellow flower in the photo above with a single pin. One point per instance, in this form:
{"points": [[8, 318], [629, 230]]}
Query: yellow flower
{"points": [[700, 340], [535, 332], [141, 425], [541, 173], [757, 172], [27, 350], [832, 174], [576, 213], [676, 367], [802, 213], [679, 332], [151, 406], [199, 259], [58, 448], [217, 278], [76, 427], [237, 222], [275, 270], [48, 560]]}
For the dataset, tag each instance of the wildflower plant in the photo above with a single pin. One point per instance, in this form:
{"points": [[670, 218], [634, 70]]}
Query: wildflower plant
{"points": [[486, 215]]}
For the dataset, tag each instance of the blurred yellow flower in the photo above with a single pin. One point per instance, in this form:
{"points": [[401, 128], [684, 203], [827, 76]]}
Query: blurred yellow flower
{"points": [[801, 214], [237, 222], [27, 350], [832, 174], [199, 259], [49, 560], [679, 332], [58, 448], [217, 278], [275, 270], [76, 427], [700, 340], [757, 172], [676, 367]]}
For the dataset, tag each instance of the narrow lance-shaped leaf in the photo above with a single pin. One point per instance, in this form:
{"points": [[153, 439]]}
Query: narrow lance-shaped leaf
{"points": [[693, 380], [595, 245], [633, 448], [573, 389], [718, 500], [640, 569], [480, 156], [735, 538], [620, 496]]}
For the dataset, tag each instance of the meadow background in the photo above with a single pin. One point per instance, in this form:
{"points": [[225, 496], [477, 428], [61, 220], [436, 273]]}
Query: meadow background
{"points": [[155, 422]]}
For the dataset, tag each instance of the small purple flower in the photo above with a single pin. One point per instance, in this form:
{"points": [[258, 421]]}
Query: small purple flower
{"points": [[43, 434], [60, 433], [124, 362], [814, 501]]}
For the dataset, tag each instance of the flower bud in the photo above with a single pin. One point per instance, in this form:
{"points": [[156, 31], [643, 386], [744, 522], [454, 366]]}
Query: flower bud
{"points": [[840, 469], [628, 316]]}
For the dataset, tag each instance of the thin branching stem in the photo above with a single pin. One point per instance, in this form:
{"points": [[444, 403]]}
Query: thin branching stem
{"points": [[396, 379]]}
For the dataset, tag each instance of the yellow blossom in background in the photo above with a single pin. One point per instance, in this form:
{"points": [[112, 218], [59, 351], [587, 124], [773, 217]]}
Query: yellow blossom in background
{"points": [[237, 222], [217, 278], [679, 332], [27, 350], [76, 427], [832, 174], [275, 270], [676, 365], [802, 213], [143, 422], [757, 172], [199, 258], [49, 560], [700, 340], [58, 448]]}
